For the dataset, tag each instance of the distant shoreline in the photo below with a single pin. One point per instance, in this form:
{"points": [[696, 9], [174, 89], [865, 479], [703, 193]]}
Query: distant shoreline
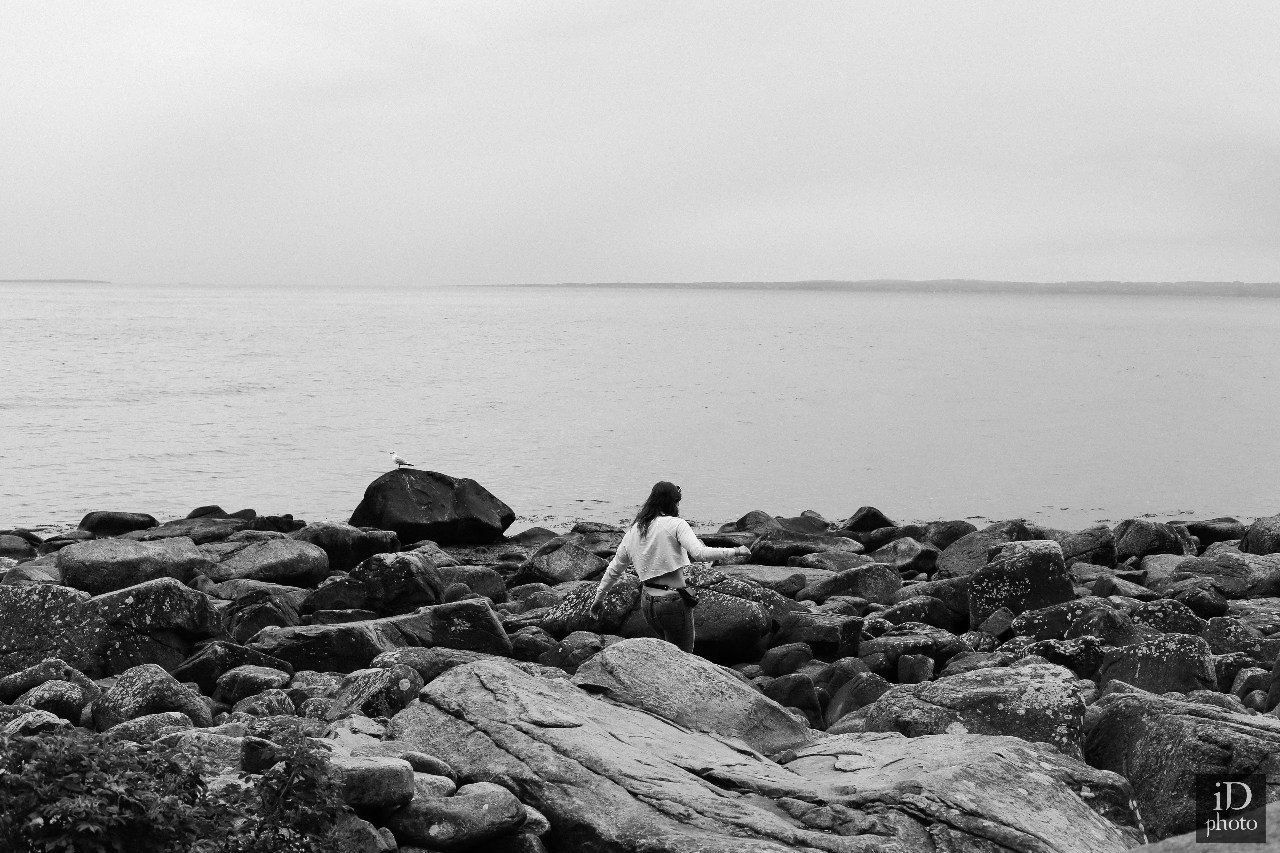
{"points": [[1102, 288], [53, 281]]}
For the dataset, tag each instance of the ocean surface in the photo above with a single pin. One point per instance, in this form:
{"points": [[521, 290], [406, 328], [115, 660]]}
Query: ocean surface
{"points": [[569, 402]]}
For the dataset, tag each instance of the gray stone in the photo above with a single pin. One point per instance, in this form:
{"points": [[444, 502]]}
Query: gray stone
{"points": [[690, 691], [103, 565]]}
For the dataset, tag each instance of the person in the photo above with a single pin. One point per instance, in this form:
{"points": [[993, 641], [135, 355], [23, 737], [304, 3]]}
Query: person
{"points": [[659, 545]]}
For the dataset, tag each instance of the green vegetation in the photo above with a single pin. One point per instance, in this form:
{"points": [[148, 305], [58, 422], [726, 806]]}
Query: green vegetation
{"points": [[80, 792]]}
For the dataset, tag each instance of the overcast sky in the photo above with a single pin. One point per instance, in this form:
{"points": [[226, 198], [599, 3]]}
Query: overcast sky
{"points": [[436, 143]]}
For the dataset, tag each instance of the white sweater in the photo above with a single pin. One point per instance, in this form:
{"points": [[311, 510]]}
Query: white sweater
{"points": [[669, 546]]}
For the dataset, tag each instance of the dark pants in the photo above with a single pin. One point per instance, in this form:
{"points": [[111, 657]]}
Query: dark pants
{"points": [[668, 616]]}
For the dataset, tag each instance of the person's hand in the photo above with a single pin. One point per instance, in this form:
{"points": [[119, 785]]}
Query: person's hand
{"points": [[596, 610], [744, 551]]}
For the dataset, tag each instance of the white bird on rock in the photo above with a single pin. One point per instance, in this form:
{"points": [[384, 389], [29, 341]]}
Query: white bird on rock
{"points": [[400, 461]]}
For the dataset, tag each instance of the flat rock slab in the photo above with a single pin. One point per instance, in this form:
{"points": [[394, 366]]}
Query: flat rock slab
{"points": [[691, 691], [347, 646], [611, 778]]}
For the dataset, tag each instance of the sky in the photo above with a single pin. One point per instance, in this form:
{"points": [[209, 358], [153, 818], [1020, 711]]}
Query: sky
{"points": [[426, 143]]}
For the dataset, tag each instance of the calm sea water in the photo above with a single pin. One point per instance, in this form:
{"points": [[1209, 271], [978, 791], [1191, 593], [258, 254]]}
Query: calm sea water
{"points": [[570, 402]]}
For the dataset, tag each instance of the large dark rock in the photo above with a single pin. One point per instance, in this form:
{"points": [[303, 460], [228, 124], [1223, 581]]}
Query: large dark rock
{"points": [[1234, 573], [473, 818], [16, 547], [1036, 702], [387, 584], [1214, 530], [1160, 744], [267, 557], [430, 505], [1262, 537], [1095, 545], [153, 622], [147, 689], [348, 646], [1174, 662], [347, 546], [51, 669], [914, 638], [969, 553], [778, 546], [1138, 537], [876, 582], [201, 530], [1021, 576], [107, 523], [866, 519], [690, 691], [103, 565], [561, 560], [611, 778], [376, 692]]}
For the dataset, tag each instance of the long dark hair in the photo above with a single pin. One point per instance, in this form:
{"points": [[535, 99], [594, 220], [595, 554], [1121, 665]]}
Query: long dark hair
{"points": [[664, 499]]}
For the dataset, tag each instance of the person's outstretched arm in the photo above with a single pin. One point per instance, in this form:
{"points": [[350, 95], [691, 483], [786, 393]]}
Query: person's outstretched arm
{"points": [[702, 553], [621, 560]]}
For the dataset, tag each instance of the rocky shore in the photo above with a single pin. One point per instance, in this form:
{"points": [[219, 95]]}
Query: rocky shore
{"points": [[859, 685]]}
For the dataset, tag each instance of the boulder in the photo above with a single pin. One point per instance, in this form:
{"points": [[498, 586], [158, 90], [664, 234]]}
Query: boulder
{"points": [[157, 621], [1161, 743], [561, 560], [913, 638], [866, 519], [153, 622], [908, 556], [148, 727], [373, 782], [1168, 617], [859, 691], [377, 692], [387, 584], [107, 523], [348, 646], [246, 680], [103, 565], [200, 530], [1262, 537], [1173, 662], [611, 778], [429, 505], [784, 580], [877, 582], [481, 580], [690, 691], [16, 548], [147, 689], [831, 635], [1095, 545], [1021, 576], [277, 560], [969, 553], [346, 546], [254, 611], [1037, 702], [1214, 530], [778, 546], [63, 698], [477, 814], [14, 685], [1138, 537]]}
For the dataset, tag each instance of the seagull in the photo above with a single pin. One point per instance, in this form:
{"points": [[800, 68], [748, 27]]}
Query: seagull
{"points": [[400, 461]]}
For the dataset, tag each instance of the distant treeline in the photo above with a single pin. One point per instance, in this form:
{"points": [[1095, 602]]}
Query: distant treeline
{"points": [[960, 285]]}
